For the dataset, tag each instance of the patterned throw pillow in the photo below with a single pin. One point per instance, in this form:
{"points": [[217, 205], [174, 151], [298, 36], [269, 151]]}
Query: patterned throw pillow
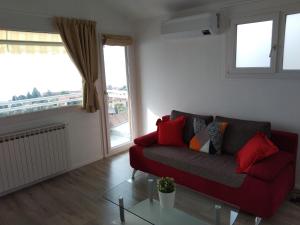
{"points": [[208, 138]]}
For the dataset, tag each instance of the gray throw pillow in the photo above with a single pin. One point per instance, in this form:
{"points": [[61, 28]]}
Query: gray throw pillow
{"points": [[238, 132], [188, 130]]}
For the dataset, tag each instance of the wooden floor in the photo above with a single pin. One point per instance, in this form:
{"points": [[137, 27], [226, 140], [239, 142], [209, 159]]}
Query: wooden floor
{"points": [[75, 198]]}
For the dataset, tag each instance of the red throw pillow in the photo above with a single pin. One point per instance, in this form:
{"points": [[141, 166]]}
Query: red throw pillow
{"points": [[169, 132], [257, 148]]}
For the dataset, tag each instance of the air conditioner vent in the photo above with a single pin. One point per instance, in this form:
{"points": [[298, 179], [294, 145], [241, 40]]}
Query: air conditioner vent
{"points": [[196, 25], [206, 32]]}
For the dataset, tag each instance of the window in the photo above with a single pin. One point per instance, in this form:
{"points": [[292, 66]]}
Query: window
{"points": [[118, 96], [253, 44], [260, 46], [119, 89], [36, 73], [291, 56]]}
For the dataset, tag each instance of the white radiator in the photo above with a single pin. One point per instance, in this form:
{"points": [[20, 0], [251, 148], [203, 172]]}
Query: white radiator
{"points": [[32, 155]]}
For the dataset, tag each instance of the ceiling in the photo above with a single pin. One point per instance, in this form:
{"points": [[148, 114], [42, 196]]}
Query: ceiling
{"points": [[140, 9]]}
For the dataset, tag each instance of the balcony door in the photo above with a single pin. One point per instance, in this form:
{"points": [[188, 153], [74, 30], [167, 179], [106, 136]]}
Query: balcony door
{"points": [[117, 98]]}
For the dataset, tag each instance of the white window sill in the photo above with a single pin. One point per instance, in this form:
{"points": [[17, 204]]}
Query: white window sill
{"points": [[293, 75], [43, 114]]}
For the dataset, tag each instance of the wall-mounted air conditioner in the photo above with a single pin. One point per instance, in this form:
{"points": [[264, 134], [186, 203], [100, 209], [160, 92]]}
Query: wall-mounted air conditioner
{"points": [[189, 26]]}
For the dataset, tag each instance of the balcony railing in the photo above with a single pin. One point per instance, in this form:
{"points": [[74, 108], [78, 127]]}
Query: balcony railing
{"points": [[40, 103]]}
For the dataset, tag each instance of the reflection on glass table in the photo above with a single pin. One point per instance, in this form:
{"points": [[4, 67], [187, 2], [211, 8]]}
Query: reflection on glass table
{"points": [[138, 200]]}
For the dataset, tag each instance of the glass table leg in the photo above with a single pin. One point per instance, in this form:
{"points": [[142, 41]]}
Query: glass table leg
{"points": [[258, 220], [233, 216], [121, 207], [133, 173], [150, 189], [217, 214]]}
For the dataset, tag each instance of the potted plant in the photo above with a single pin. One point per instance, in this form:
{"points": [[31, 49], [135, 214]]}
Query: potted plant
{"points": [[166, 192]]}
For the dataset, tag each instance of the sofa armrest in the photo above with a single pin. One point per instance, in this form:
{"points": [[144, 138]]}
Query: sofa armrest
{"points": [[286, 141], [146, 140], [268, 169]]}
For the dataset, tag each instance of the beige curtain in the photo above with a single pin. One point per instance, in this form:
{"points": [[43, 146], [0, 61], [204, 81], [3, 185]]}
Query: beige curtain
{"points": [[80, 39], [119, 40]]}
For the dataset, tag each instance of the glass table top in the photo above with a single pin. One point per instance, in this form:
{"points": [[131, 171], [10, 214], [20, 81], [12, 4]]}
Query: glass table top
{"points": [[138, 199]]}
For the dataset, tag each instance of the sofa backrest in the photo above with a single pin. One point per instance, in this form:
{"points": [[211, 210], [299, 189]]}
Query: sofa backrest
{"points": [[188, 130], [238, 132], [285, 141]]}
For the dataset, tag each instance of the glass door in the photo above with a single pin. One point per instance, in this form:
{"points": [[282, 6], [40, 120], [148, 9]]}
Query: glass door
{"points": [[118, 110]]}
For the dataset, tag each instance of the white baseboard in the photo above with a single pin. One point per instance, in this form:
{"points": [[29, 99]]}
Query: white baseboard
{"points": [[117, 152], [51, 176], [32, 183], [84, 163]]}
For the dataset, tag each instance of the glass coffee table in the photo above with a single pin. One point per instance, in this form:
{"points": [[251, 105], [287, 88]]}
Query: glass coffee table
{"points": [[138, 203]]}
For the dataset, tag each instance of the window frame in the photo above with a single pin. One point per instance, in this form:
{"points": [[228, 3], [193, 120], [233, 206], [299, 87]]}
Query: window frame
{"points": [[232, 69], [61, 109], [130, 74]]}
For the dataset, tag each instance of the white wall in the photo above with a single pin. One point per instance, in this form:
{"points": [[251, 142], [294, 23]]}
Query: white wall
{"points": [[84, 128], [189, 75], [37, 15]]}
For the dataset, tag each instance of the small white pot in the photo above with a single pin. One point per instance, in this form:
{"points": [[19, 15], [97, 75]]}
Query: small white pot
{"points": [[166, 200]]}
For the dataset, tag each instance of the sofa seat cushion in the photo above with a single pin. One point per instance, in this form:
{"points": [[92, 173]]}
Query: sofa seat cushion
{"points": [[218, 168], [268, 169]]}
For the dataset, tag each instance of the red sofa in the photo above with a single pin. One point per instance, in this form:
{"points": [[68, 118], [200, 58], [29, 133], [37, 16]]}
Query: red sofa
{"points": [[265, 187]]}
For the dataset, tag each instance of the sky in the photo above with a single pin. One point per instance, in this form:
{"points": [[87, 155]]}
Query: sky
{"points": [[291, 44], [254, 42], [20, 73], [115, 66]]}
